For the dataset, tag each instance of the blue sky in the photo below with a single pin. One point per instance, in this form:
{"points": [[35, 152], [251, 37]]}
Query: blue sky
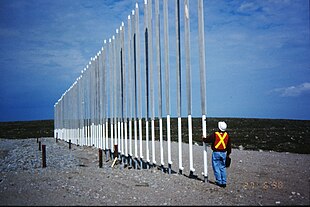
{"points": [[257, 54]]}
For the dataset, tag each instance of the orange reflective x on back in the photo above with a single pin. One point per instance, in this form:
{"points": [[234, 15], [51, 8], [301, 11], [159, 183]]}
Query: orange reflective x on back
{"points": [[220, 140]]}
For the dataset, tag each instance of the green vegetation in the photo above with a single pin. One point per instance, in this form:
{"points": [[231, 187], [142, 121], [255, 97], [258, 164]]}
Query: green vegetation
{"points": [[27, 129], [279, 135]]}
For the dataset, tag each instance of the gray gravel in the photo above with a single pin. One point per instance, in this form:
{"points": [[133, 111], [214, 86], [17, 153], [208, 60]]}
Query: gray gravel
{"points": [[72, 177]]}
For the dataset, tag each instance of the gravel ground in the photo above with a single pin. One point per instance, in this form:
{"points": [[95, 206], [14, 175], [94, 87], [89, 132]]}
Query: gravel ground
{"points": [[72, 177]]}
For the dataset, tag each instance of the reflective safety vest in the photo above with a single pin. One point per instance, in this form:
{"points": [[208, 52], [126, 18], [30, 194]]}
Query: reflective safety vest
{"points": [[220, 140]]}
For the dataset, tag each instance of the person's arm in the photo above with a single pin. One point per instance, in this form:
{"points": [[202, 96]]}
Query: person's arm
{"points": [[208, 139]]}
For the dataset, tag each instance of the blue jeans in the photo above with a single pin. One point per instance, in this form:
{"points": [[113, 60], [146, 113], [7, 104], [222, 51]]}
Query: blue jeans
{"points": [[219, 168]]}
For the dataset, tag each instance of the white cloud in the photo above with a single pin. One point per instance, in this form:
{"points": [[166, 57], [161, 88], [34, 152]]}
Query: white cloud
{"points": [[293, 91], [248, 7]]}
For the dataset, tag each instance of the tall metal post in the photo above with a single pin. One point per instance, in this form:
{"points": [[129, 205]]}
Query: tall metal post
{"points": [[188, 84], [106, 98], [103, 95], [134, 39], [111, 95], [167, 78], [88, 105], [139, 83], [84, 107], [96, 97], [202, 82], [100, 101], [130, 49], [158, 60], [91, 70], [178, 75], [118, 91], [123, 95], [146, 36], [150, 52]]}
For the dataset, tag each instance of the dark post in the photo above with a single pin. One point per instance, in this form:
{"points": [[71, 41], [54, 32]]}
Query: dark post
{"points": [[100, 158], [39, 145], [56, 137], [115, 150], [43, 155], [69, 143], [37, 140]]}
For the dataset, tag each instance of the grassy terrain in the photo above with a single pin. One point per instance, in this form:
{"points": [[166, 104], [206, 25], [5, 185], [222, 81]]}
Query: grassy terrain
{"points": [[267, 134], [279, 135], [27, 129]]}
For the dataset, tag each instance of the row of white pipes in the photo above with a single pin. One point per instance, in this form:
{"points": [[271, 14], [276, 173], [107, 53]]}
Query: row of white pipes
{"points": [[104, 104]]}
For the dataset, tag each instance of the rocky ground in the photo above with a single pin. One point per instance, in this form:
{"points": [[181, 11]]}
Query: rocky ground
{"points": [[72, 177]]}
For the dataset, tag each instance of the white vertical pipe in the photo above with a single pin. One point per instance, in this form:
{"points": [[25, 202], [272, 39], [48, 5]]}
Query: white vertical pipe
{"points": [[130, 98], [107, 135], [139, 78], [84, 108], [158, 60], [104, 93], [178, 75], [146, 42], [128, 88], [140, 138], [135, 83], [167, 79], [99, 107], [136, 138], [153, 142], [161, 142], [94, 132], [100, 94], [123, 92], [119, 136], [190, 140], [103, 136], [150, 46], [91, 102], [130, 138], [106, 97], [147, 142], [205, 158], [169, 140], [116, 126], [117, 53], [126, 138], [111, 94], [88, 105], [96, 101], [122, 138], [188, 82], [180, 143], [202, 82]]}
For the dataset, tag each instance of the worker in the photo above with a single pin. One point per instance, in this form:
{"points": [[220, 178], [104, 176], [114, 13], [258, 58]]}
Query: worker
{"points": [[221, 146]]}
